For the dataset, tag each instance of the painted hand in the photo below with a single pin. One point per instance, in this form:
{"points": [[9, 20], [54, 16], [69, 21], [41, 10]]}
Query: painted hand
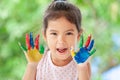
{"points": [[31, 50], [85, 51]]}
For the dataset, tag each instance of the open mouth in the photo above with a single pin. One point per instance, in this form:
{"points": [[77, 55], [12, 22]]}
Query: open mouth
{"points": [[61, 50]]}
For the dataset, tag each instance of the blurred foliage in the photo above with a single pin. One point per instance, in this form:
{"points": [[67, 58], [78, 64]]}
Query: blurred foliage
{"points": [[18, 17]]}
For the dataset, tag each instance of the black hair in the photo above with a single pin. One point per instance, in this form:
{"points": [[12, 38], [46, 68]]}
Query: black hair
{"points": [[62, 8]]}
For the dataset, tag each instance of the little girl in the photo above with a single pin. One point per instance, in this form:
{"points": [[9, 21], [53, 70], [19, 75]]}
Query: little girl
{"points": [[61, 31]]}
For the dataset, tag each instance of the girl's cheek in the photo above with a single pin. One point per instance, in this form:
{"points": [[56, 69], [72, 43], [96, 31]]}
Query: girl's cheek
{"points": [[73, 43], [70, 43], [51, 37]]}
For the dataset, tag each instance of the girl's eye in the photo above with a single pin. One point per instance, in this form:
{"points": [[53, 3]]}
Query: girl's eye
{"points": [[53, 33], [69, 33]]}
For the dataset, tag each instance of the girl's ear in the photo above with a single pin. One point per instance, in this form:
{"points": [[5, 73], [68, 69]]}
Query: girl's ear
{"points": [[78, 37], [79, 34], [44, 35]]}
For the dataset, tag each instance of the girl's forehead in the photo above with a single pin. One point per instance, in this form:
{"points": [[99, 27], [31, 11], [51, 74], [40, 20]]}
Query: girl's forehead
{"points": [[61, 24]]}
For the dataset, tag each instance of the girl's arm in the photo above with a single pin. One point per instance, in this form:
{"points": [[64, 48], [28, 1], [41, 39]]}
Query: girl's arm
{"points": [[33, 56], [82, 57], [30, 73], [84, 71]]}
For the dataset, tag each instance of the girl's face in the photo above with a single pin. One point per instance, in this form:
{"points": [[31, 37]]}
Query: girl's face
{"points": [[60, 36]]}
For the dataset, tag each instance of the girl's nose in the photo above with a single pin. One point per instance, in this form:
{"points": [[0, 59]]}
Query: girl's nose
{"points": [[61, 39]]}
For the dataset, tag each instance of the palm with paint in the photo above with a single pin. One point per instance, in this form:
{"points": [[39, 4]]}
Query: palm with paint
{"points": [[32, 50], [85, 51]]}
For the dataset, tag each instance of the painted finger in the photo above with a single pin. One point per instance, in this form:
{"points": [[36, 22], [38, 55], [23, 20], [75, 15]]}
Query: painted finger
{"points": [[41, 49], [72, 52], [37, 42], [28, 42], [91, 45], [22, 47], [31, 40], [88, 41], [92, 52], [81, 41]]}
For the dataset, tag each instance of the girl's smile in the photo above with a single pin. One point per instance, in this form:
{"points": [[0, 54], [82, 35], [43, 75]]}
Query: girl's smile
{"points": [[62, 50]]}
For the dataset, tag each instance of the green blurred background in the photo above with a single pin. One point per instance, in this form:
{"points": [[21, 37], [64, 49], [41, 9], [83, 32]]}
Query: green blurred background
{"points": [[18, 17]]}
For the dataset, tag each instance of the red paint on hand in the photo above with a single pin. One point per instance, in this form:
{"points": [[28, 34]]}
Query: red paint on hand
{"points": [[88, 41], [37, 42], [28, 42]]}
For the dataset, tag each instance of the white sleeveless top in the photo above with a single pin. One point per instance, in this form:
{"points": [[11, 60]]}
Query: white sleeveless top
{"points": [[46, 70]]}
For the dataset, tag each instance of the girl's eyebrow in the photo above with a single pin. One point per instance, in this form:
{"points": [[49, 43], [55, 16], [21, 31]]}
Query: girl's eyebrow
{"points": [[70, 30], [53, 30]]}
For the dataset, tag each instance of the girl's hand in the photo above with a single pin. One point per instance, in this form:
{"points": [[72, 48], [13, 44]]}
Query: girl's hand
{"points": [[85, 51], [32, 52]]}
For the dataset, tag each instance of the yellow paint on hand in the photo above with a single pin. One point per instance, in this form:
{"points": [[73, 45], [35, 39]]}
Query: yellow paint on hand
{"points": [[33, 55]]}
